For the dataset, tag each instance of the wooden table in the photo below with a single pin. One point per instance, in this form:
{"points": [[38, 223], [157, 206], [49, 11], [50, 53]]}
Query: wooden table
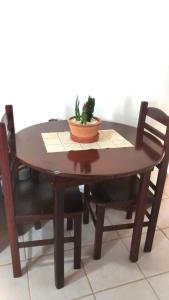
{"points": [[80, 167]]}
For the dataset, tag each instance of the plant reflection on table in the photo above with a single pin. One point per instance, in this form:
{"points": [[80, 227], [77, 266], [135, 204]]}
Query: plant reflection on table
{"points": [[84, 159]]}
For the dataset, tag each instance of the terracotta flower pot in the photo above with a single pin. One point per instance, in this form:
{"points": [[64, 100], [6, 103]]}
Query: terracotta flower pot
{"points": [[84, 133]]}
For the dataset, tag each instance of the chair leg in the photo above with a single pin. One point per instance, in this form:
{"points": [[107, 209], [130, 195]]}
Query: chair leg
{"points": [[20, 229], [35, 175], [129, 213], [152, 226], [13, 238], [77, 241], [16, 264], [37, 225], [130, 209], [99, 232], [85, 207], [69, 223], [85, 213]]}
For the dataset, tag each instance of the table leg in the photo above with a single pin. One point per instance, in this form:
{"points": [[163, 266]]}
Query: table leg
{"points": [[139, 216], [59, 238]]}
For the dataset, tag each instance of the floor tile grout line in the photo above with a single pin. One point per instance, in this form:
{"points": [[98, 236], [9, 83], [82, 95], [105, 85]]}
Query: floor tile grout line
{"points": [[29, 289], [164, 234], [86, 246], [166, 194], [67, 250], [26, 270], [83, 265], [10, 263], [25, 273], [76, 298], [117, 231], [89, 244], [121, 285], [112, 224], [82, 297], [127, 283], [144, 278], [148, 277], [163, 228], [120, 238], [5, 265], [153, 289], [132, 262], [156, 275]]}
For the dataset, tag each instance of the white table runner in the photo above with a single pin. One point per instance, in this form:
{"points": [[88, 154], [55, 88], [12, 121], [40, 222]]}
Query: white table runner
{"points": [[61, 141]]}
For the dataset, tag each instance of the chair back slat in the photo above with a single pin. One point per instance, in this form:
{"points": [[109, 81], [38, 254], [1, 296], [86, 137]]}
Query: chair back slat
{"points": [[142, 116], [158, 115], [154, 131], [152, 185]]}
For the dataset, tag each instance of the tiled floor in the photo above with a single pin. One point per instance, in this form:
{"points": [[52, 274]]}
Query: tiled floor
{"points": [[112, 277]]}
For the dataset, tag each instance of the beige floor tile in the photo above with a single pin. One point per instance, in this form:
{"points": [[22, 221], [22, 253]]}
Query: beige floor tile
{"points": [[166, 187], [128, 232], [139, 290], [164, 195], [41, 280], [87, 298], [154, 175], [45, 232], [114, 271], [166, 232], [13, 288], [114, 268], [88, 234], [157, 261], [163, 218], [160, 284], [5, 253], [119, 217]]}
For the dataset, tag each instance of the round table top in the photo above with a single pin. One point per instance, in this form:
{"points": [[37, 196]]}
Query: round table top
{"points": [[145, 154]]}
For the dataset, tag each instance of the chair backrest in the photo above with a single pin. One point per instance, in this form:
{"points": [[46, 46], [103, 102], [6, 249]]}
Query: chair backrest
{"points": [[8, 120], [156, 131], [8, 155]]}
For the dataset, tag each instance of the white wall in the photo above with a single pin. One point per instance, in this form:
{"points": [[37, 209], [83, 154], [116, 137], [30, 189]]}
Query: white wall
{"points": [[51, 51]]}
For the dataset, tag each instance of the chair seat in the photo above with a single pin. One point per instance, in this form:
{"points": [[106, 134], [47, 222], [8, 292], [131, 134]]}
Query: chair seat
{"points": [[117, 193], [36, 197]]}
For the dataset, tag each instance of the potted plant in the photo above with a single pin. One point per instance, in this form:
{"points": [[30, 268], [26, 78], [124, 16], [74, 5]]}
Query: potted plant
{"points": [[84, 126]]}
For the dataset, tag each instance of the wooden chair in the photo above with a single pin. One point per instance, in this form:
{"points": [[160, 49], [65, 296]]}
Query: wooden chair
{"points": [[32, 201], [122, 193]]}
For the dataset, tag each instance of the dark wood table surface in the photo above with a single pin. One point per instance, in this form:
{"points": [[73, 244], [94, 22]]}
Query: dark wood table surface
{"points": [[80, 167]]}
